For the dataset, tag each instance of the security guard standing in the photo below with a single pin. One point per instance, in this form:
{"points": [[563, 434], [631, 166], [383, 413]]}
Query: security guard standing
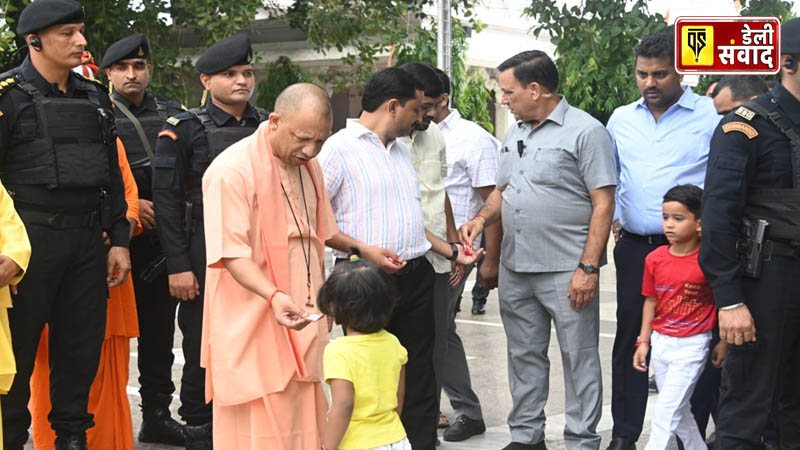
{"points": [[139, 117], [751, 256], [185, 148], [58, 160]]}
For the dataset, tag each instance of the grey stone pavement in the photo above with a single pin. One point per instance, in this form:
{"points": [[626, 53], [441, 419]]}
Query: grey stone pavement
{"points": [[485, 344]]}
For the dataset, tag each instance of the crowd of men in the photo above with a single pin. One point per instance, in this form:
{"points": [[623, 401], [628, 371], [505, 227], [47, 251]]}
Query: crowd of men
{"points": [[195, 204]]}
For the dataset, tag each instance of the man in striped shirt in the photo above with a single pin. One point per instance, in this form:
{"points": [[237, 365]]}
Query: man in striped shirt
{"points": [[376, 199]]}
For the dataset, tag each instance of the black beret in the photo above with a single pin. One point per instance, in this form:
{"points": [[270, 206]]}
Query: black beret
{"points": [[233, 51], [43, 14], [790, 37], [133, 46]]}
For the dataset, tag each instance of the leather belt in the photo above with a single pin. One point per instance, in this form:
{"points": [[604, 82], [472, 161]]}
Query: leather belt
{"points": [[652, 239], [60, 220]]}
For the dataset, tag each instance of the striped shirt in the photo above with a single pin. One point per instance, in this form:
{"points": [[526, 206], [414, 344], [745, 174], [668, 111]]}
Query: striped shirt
{"points": [[374, 191], [472, 155]]}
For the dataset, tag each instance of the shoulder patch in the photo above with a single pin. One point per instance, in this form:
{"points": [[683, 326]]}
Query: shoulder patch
{"points": [[745, 113], [742, 127], [92, 80], [168, 133], [4, 84], [174, 121]]}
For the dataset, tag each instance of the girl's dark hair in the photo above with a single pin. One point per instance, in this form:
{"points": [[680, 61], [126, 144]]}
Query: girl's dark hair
{"points": [[358, 294], [687, 195]]}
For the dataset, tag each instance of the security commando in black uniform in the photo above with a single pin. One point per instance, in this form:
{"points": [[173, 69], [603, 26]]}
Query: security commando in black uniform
{"points": [[139, 118], [750, 254], [58, 160], [185, 148]]}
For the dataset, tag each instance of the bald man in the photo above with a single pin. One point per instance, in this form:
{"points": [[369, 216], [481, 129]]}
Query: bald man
{"points": [[267, 216]]}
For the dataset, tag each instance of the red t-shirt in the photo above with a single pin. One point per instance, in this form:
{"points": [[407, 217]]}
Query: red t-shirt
{"points": [[684, 302]]}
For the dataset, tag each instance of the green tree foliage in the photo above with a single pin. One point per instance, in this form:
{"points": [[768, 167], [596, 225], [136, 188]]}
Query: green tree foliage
{"points": [[594, 49], [778, 8], [281, 74]]}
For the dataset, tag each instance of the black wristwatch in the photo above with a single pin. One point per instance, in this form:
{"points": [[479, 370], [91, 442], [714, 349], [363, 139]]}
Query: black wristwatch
{"points": [[454, 247], [589, 269]]}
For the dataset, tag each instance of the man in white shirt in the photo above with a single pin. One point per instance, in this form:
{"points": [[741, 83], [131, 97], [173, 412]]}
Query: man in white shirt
{"points": [[472, 156], [376, 199]]}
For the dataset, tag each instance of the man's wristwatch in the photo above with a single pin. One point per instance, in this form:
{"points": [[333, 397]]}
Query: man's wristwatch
{"points": [[454, 248], [589, 269]]}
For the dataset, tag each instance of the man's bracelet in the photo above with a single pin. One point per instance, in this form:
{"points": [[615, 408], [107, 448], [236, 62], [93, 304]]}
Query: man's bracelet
{"points": [[273, 295], [482, 217], [729, 307], [640, 341]]}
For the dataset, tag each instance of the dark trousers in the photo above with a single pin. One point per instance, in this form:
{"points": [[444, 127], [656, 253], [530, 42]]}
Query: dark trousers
{"points": [[156, 312], [194, 410], [629, 388], [413, 324], [479, 293], [758, 375], [65, 287]]}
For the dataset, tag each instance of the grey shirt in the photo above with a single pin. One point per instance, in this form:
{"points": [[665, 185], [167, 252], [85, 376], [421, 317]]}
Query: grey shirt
{"points": [[546, 203]]}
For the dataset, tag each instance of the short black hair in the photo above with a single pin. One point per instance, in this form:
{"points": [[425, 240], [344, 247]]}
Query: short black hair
{"points": [[426, 76], [687, 195], [444, 79], [743, 87], [533, 66], [659, 45], [359, 295], [387, 84]]}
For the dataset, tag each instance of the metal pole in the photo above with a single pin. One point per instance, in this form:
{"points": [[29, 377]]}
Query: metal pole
{"points": [[444, 37]]}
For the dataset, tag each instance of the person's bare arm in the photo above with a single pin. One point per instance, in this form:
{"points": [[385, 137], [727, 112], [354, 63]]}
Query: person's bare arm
{"points": [[381, 257], [247, 273], [489, 214], [340, 412], [401, 390], [493, 235], [640, 356], [583, 286]]}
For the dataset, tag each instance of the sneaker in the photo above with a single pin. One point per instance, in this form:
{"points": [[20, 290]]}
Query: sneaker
{"points": [[478, 306]]}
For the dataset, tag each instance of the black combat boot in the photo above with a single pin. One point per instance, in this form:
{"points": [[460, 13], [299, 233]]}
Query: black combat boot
{"points": [[159, 427], [71, 442], [198, 437]]}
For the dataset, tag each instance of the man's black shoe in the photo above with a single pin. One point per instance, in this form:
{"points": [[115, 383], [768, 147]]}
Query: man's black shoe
{"points": [[478, 306], [71, 442], [158, 427], [619, 443], [198, 437], [652, 385], [463, 428], [521, 446]]}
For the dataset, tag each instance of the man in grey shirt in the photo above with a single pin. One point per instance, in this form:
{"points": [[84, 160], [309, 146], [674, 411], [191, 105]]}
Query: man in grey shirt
{"points": [[555, 191]]}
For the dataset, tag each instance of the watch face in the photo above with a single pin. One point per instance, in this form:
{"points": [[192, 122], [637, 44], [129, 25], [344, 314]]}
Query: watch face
{"points": [[589, 268]]}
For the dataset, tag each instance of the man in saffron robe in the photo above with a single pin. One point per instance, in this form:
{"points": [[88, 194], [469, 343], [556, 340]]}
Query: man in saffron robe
{"points": [[267, 216]]}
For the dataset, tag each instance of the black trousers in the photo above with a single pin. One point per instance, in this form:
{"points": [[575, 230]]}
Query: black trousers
{"points": [[761, 375], [156, 312], [65, 287], [194, 410], [413, 324], [629, 388]]}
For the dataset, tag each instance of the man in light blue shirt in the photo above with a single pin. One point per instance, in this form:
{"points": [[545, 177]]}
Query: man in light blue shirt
{"points": [[661, 141]]}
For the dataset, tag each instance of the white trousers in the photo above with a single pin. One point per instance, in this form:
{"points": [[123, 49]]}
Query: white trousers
{"points": [[677, 363]]}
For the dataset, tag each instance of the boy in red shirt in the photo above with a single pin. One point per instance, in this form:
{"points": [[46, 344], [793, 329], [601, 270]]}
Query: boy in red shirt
{"points": [[677, 319]]}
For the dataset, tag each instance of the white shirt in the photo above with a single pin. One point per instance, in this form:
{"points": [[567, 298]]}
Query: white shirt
{"points": [[374, 191], [472, 159]]}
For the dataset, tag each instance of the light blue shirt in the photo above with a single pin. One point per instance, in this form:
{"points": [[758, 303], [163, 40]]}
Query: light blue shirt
{"points": [[652, 157]]}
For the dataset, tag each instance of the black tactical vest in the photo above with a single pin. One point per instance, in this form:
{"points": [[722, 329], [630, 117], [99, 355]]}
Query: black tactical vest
{"points": [[219, 138], [151, 124], [69, 151], [780, 207]]}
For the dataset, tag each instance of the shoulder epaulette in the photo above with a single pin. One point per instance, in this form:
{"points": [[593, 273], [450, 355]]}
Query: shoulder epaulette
{"points": [[174, 121], [8, 82], [93, 80], [745, 113]]}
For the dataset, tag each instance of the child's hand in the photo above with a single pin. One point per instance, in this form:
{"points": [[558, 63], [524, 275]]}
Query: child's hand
{"points": [[718, 354], [640, 357]]}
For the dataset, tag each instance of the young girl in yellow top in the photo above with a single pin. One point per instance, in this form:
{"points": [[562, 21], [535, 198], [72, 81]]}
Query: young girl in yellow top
{"points": [[366, 368]]}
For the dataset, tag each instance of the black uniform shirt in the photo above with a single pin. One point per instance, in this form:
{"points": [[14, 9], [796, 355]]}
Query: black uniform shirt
{"points": [[148, 108], [737, 164], [17, 106], [176, 175]]}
